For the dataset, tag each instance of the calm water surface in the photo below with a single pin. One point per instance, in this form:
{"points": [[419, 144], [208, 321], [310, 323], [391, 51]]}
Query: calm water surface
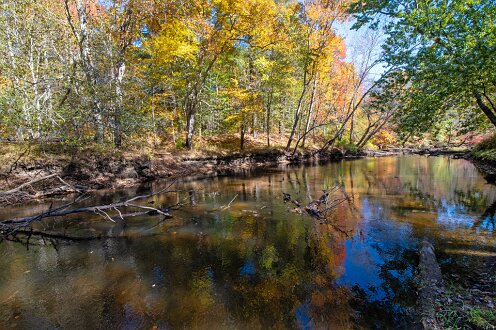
{"points": [[257, 264]]}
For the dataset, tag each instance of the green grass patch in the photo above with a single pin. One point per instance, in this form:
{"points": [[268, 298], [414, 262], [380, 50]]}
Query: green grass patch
{"points": [[489, 154], [482, 317], [457, 310]]}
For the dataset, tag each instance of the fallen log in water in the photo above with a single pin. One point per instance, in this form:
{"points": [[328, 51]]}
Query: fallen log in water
{"points": [[10, 227], [431, 287]]}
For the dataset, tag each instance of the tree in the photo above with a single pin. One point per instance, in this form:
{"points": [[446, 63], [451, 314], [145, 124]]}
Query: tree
{"points": [[447, 49], [36, 68], [357, 87], [315, 41], [82, 34], [76, 70]]}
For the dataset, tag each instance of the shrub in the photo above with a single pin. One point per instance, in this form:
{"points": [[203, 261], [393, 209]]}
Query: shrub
{"points": [[349, 147], [487, 144], [180, 144]]}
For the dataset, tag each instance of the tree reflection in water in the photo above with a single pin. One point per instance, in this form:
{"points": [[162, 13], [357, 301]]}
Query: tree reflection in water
{"points": [[256, 264]]}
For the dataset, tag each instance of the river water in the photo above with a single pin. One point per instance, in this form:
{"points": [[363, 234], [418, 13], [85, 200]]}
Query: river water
{"points": [[256, 262]]}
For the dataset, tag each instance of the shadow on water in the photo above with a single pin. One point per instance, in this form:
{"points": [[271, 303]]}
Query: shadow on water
{"points": [[257, 263]]}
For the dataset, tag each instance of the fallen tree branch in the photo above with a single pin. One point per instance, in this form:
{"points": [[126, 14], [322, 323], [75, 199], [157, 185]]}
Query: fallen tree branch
{"points": [[27, 184], [431, 286], [26, 191], [229, 205], [321, 207], [11, 226], [68, 185]]}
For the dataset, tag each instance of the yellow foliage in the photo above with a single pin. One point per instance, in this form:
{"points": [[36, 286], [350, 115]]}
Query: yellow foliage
{"points": [[176, 41]]}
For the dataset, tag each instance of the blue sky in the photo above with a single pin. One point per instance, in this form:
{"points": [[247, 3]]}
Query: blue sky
{"points": [[356, 41]]}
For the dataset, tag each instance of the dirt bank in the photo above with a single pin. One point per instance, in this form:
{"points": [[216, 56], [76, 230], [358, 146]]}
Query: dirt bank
{"points": [[89, 170], [486, 167]]}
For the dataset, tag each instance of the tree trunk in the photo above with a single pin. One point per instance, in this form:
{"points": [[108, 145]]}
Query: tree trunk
{"points": [[430, 288], [364, 139], [487, 111], [298, 110], [354, 106], [190, 124], [254, 125], [242, 136], [269, 105], [377, 127], [121, 69], [191, 108], [87, 64], [154, 124], [352, 127], [310, 113], [338, 135]]}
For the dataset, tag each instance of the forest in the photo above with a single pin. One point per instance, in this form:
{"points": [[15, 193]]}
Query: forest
{"points": [[128, 73], [248, 164]]}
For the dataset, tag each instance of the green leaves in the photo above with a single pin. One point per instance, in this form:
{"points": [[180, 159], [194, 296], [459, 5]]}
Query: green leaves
{"points": [[446, 49]]}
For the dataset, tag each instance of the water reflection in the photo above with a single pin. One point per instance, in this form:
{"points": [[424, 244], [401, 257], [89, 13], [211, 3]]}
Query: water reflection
{"points": [[255, 264]]}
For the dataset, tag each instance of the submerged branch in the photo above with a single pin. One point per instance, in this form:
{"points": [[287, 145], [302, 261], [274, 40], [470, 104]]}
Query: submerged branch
{"points": [[10, 227], [321, 208]]}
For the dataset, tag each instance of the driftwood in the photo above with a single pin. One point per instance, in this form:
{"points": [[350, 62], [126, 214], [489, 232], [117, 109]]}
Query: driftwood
{"points": [[321, 207], [224, 207], [10, 227], [27, 184], [18, 193]]}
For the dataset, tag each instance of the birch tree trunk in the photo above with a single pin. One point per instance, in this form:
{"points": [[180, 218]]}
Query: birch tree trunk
{"points": [[82, 35], [269, 106], [121, 69]]}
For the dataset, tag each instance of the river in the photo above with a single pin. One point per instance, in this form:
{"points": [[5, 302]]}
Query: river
{"points": [[256, 262]]}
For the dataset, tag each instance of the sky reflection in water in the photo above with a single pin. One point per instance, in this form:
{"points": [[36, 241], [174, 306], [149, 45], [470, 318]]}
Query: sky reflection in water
{"points": [[256, 264]]}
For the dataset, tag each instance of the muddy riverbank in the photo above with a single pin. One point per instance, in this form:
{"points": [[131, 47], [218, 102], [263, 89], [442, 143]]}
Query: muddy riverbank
{"points": [[87, 170]]}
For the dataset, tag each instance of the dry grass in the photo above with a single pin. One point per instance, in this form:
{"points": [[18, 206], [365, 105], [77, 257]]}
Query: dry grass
{"points": [[226, 144]]}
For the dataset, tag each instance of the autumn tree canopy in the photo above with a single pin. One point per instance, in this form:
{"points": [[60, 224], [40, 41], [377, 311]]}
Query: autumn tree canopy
{"points": [[163, 71]]}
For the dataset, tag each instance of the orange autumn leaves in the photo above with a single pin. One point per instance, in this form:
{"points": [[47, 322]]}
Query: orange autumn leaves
{"points": [[173, 69]]}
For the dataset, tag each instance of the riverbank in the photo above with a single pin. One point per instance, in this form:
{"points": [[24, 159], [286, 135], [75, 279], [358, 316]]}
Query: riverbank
{"points": [[45, 172], [60, 168], [447, 300], [51, 171]]}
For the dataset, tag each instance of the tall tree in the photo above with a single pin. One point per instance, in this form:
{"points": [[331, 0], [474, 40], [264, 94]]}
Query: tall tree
{"points": [[446, 48], [82, 33], [316, 40]]}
